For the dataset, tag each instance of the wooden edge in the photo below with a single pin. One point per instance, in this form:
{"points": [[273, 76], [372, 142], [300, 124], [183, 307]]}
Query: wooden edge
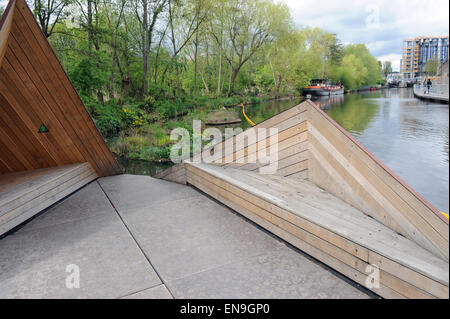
{"points": [[192, 169], [374, 158], [255, 127], [5, 27], [194, 177], [169, 171], [5, 13], [264, 196]]}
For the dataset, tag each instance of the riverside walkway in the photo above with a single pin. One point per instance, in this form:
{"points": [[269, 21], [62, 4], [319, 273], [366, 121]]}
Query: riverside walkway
{"points": [[130, 238], [438, 92]]}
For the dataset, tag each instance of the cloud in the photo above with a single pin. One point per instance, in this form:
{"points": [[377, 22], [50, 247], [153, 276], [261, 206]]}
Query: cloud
{"points": [[381, 25]]}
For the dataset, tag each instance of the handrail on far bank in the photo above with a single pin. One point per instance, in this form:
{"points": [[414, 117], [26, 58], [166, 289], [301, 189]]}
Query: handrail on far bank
{"points": [[440, 90]]}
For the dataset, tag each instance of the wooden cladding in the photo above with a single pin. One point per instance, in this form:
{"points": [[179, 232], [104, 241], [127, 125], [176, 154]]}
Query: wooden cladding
{"points": [[25, 194], [312, 146], [34, 92], [343, 167], [328, 229]]}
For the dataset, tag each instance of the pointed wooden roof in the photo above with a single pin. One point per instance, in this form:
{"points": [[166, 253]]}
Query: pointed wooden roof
{"points": [[36, 95]]}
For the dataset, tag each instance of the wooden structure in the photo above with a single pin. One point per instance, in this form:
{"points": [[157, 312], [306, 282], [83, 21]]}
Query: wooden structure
{"points": [[43, 122], [333, 199]]}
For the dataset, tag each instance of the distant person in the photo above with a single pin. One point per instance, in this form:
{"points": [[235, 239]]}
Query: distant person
{"points": [[429, 84]]}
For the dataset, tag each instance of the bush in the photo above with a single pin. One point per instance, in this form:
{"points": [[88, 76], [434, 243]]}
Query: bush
{"points": [[108, 118]]}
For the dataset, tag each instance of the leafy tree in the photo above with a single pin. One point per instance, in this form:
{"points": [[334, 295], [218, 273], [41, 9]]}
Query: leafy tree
{"points": [[249, 25], [49, 13], [370, 63], [386, 68], [336, 51], [431, 68]]}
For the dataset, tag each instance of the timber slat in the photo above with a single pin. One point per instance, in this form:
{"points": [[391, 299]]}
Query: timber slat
{"points": [[334, 200], [35, 90], [430, 273], [24, 194]]}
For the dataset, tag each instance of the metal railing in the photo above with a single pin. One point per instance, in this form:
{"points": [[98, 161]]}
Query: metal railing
{"points": [[434, 90]]}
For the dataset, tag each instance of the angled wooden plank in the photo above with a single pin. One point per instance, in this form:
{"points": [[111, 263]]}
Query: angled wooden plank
{"points": [[376, 189]]}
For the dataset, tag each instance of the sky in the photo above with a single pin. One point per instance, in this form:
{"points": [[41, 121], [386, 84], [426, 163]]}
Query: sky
{"points": [[381, 25]]}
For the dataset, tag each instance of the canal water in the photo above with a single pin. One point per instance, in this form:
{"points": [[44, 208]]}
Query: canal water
{"points": [[410, 136]]}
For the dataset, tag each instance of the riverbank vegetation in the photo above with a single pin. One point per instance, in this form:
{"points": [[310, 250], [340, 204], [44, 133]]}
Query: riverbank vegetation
{"points": [[143, 67]]}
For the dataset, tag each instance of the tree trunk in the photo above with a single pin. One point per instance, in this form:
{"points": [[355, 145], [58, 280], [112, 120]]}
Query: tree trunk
{"points": [[90, 26], [145, 45], [278, 85], [195, 61]]}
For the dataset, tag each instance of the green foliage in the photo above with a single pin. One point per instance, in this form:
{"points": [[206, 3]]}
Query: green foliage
{"points": [[372, 72], [204, 55], [107, 117], [431, 68], [386, 68], [86, 77]]}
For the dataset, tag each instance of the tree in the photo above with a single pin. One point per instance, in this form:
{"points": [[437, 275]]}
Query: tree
{"points": [[336, 51], [373, 72], [352, 72], [431, 68], [49, 13], [147, 13], [386, 68], [249, 25]]}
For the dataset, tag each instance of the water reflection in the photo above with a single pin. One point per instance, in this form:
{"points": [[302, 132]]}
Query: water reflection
{"points": [[325, 102], [140, 167], [355, 113]]}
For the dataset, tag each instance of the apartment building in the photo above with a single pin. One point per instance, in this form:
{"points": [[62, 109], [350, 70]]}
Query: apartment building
{"points": [[418, 51]]}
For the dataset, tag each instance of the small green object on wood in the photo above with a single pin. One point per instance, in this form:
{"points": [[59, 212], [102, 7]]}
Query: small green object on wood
{"points": [[43, 129]]}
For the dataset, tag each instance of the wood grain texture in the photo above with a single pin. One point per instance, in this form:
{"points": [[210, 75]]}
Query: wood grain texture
{"points": [[341, 236], [342, 166], [24, 194], [333, 199], [35, 90]]}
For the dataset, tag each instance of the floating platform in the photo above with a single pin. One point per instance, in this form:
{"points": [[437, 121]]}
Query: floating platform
{"points": [[145, 238], [334, 200]]}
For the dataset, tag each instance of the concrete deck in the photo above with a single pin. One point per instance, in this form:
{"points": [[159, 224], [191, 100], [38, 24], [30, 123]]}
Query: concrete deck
{"points": [[139, 237]]}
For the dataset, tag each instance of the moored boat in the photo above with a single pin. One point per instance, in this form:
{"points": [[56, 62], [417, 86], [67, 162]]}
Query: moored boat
{"points": [[323, 87]]}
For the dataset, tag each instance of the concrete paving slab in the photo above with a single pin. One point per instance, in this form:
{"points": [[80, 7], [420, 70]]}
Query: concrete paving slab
{"points": [[184, 237], [87, 202], [281, 273], [158, 292], [199, 247], [129, 191], [33, 263]]}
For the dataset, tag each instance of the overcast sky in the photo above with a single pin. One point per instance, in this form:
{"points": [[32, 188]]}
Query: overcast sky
{"points": [[381, 24]]}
